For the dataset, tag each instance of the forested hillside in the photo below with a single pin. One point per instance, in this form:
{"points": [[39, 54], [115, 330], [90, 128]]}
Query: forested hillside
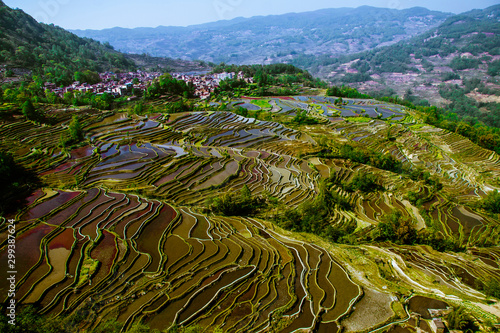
{"points": [[474, 32], [50, 50], [56, 54], [455, 65]]}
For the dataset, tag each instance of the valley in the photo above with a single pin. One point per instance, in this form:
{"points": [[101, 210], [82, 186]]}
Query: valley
{"points": [[149, 194]]}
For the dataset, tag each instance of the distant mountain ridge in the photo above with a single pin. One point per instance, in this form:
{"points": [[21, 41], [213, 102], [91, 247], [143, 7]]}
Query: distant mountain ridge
{"points": [[258, 39], [456, 65]]}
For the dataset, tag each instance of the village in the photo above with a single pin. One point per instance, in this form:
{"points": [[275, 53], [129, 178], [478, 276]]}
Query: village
{"points": [[133, 84], [206, 84]]}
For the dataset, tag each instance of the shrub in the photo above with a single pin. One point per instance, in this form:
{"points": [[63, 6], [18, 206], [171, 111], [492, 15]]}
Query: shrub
{"points": [[364, 182], [398, 229], [236, 204], [491, 202]]}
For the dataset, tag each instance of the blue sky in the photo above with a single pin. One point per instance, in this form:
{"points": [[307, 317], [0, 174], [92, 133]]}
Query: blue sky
{"points": [[100, 14]]}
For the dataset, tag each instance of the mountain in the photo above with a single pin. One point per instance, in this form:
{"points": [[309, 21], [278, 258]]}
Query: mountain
{"points": [[56, 54], [51, 50], [463, 53], [257, 39]]}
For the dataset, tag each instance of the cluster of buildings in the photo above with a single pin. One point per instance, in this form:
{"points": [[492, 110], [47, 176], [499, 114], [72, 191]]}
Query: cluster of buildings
{"points": [[116, 84], [128, 84], [206, 84]]}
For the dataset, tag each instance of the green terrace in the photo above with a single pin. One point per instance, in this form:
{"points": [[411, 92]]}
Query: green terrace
{"points": [[358, 210]]}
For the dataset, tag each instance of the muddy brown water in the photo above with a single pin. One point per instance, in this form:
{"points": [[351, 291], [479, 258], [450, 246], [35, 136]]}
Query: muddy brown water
{"points": [[346, 292], [34, 196], [200, 230], [47, 206], [424, 326], [55, 289], [33, 278], [327, 328], [467, 221], [88, 226], [369, 211], [304, 320], [89, 210], [120, 225], [63, 215], [324, 283], [465, 276], [399, 329], [64, 239], [421, 304], [452, 223], [134, 225], [131, 203], [27, 254], [105, 252], [487, 258], [175, 174], [174, 249], [97, 222], [203, 298], [151, 234], [297, 286], [81, 152], [57, 258]]}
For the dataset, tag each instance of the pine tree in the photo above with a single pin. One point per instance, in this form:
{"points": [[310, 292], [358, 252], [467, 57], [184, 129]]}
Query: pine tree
{"points": [[75, 129], [29, 111]]}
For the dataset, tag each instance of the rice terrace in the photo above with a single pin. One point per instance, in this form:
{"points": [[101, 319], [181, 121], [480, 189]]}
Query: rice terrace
{"points": [[336, 171], [140, 223]]}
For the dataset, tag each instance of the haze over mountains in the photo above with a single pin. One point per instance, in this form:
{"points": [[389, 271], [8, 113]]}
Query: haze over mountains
{"points": [[271, 38]]}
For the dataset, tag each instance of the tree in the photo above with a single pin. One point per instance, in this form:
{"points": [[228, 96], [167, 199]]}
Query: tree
{"points": [[241, 111], [139, 108], [464, 129], [303, 119], [397, 228], [364, 182], [30, 112], [460, 319], [491, 202], [140, 328], [245, 193], [75, 129], [236, 204], [78, 76]]}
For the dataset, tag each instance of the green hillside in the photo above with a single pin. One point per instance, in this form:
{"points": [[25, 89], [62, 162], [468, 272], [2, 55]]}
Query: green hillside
{"points": [[56, 54], [475, 32], [454, 65], [52, 51]]}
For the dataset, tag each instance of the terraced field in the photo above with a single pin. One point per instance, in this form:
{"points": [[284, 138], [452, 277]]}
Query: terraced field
{"points": [[145, 260], [121, 227], [323, 106]]}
